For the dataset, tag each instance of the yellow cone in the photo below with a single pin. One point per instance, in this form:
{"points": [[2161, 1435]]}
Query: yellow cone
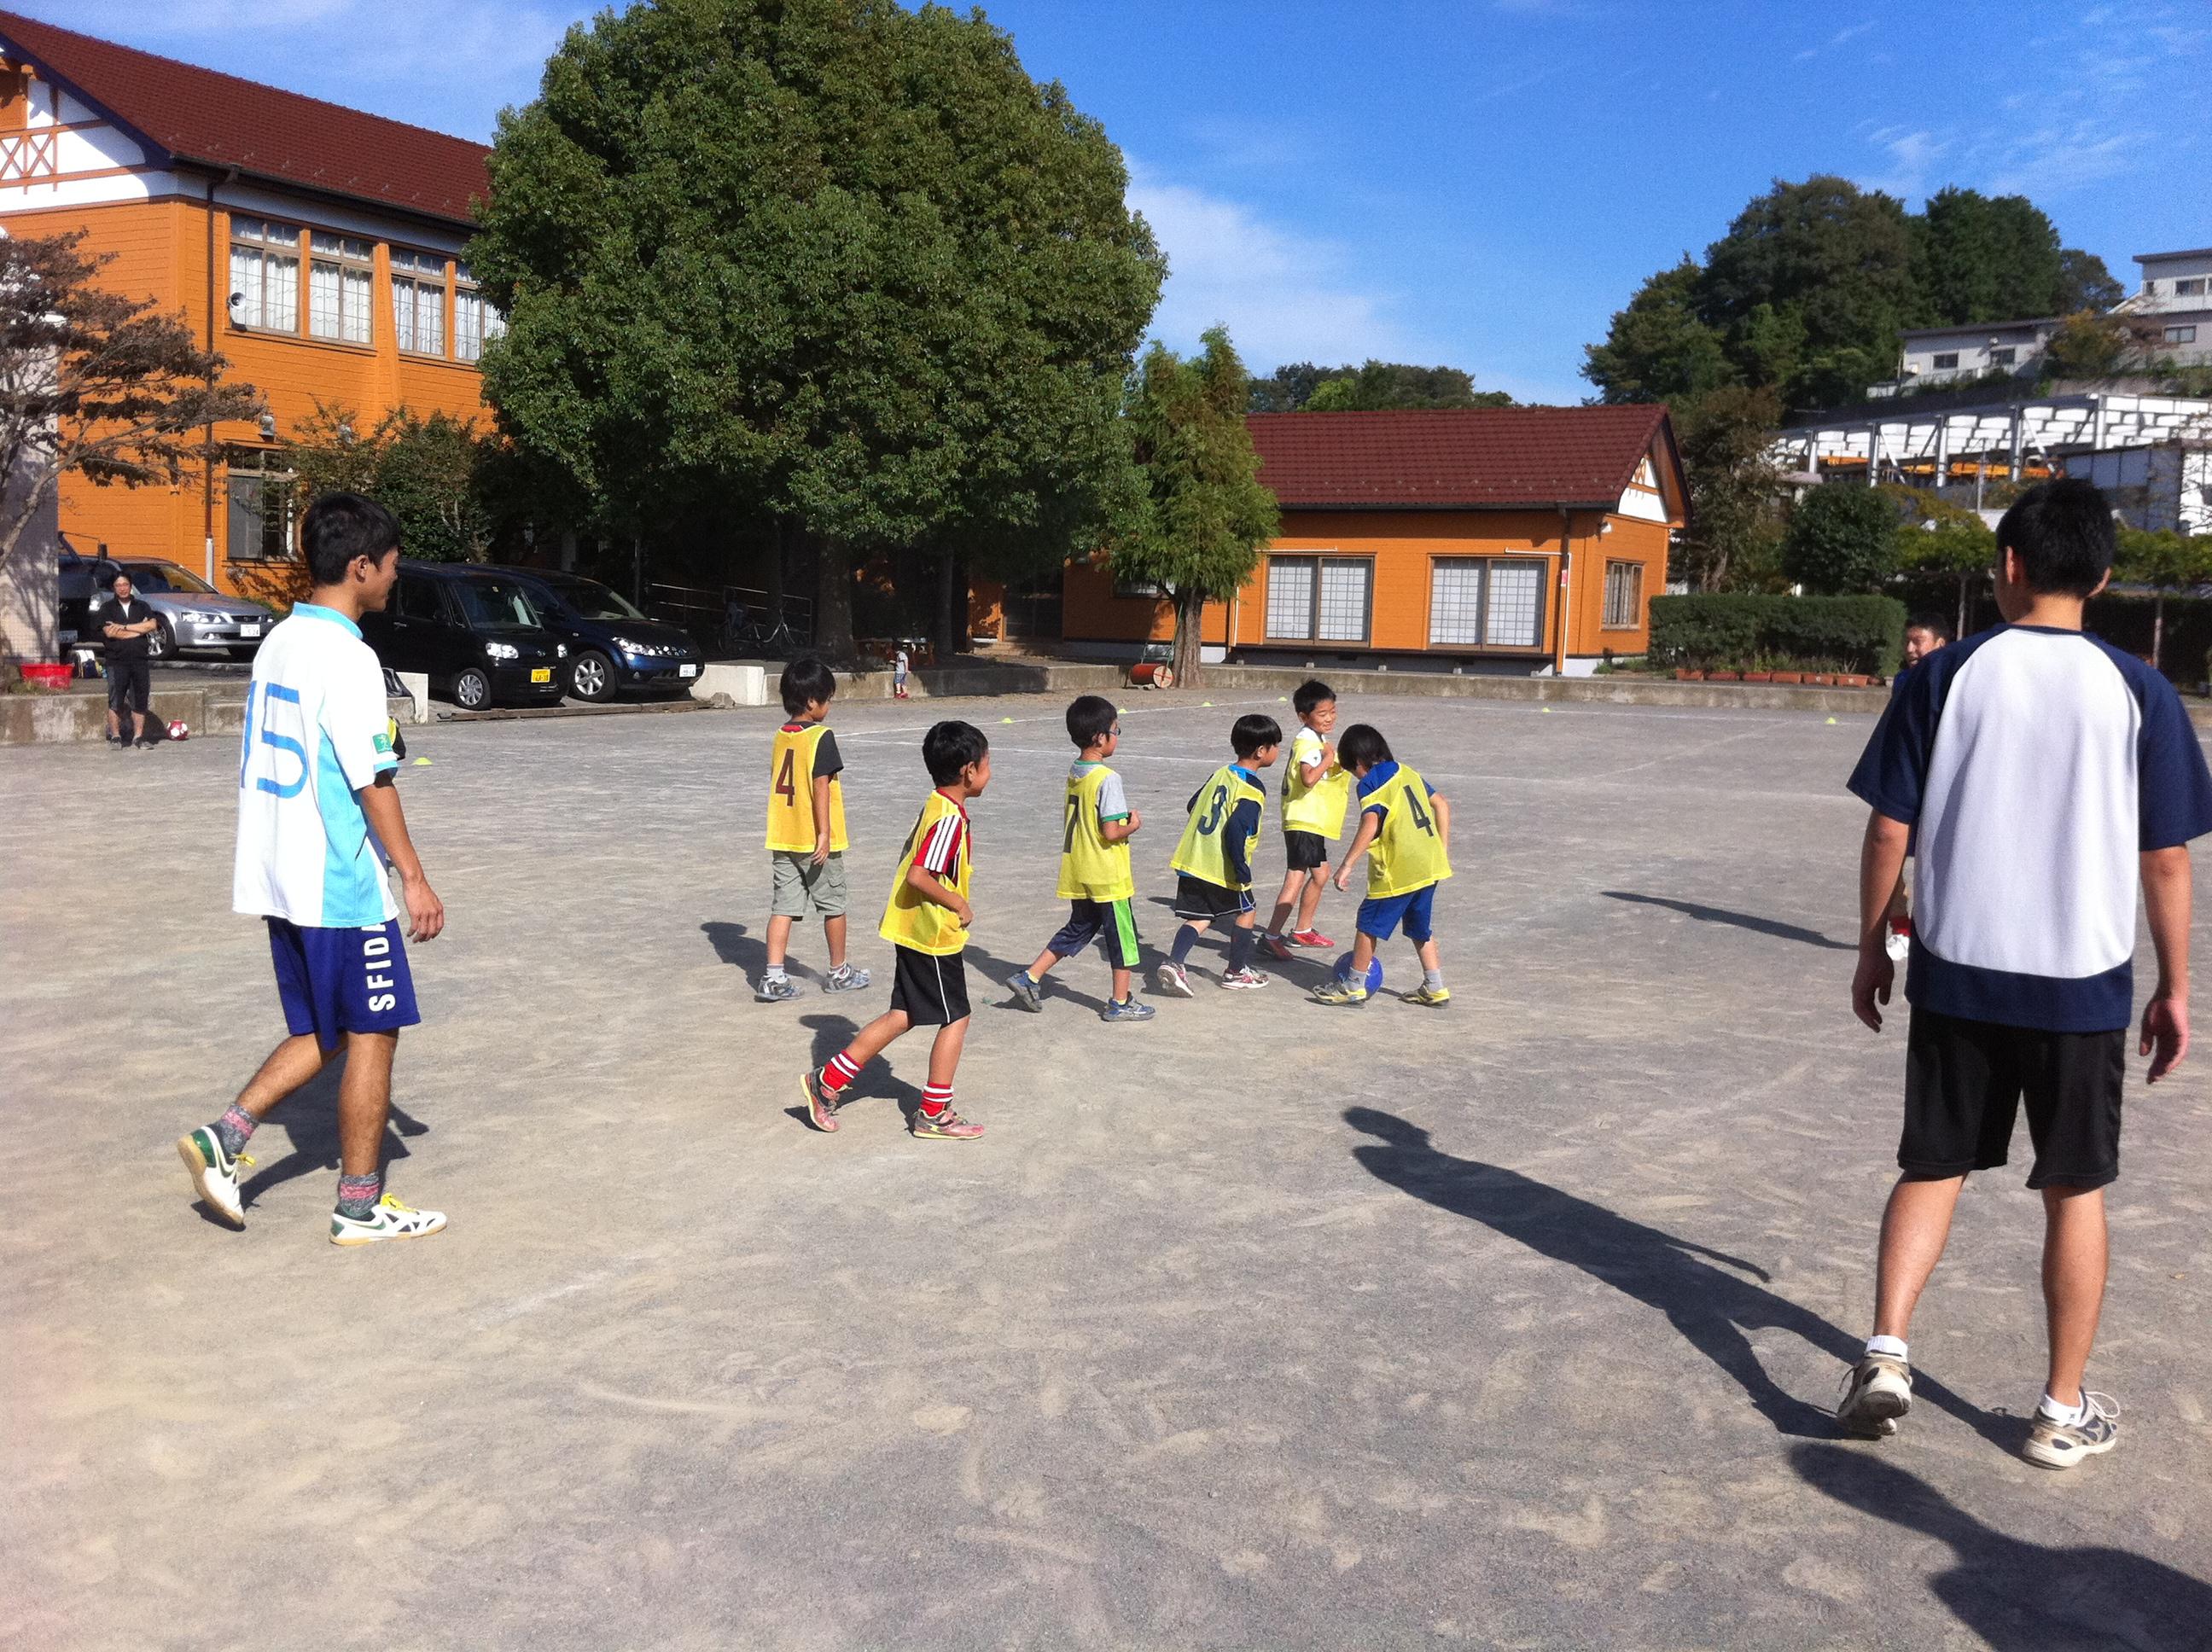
{"points": [[1831, 722], [1203, 704], [1005, 720], [421, 762]]}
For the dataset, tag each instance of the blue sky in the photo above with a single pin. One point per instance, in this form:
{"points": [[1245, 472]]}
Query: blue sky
{"points": [[1479, 183]]}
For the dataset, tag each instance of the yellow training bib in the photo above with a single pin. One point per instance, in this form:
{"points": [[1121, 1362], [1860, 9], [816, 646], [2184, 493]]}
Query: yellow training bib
{"points": [[911, 922], [1090, 868], [1408, 852], [1200, 851], [791, 791], [1317, 808]]}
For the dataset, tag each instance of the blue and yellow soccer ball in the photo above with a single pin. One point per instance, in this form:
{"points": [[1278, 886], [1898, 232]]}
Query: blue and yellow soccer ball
{"points": [[1374, 972]]}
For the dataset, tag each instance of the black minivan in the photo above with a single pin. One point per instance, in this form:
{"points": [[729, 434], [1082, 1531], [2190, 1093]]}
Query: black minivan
{"points": [[473, 633]]}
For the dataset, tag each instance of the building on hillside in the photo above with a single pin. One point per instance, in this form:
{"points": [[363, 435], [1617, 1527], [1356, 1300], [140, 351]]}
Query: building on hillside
{"points": [[2166, 487], [2176, 296], [317, 247], [1942, 356], [1511, 539]]}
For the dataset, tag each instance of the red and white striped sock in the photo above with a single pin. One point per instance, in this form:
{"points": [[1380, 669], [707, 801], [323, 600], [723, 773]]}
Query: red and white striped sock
{"points": [[935, 1098], [841, 1071]]}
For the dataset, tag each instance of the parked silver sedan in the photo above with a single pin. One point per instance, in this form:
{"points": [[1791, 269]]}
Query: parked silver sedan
{"points": [[193, 614]]}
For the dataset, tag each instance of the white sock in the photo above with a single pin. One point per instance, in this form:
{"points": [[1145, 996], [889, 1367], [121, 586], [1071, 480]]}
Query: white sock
{"points": [[1887, 1347], [2067, 1414], [774, 972]]}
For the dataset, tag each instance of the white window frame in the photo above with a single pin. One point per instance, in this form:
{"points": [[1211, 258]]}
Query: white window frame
{"points": [[1313, 563], [349, 263], [419, 285], [2181, 333], [1541, 566], [258, 248], [1944, 361]]}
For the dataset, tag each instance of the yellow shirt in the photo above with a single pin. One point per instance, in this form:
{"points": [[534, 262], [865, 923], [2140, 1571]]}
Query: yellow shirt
{"points": [[938, 844], [1320, 807], [1090, 868], [791, 791], [1203, 851], [1407, 854]]}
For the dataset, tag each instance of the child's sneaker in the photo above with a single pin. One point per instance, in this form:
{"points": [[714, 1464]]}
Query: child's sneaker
{"points": [[1127, 1009], [821, 1106], [777, 989], [1310, 938], [1337, 990], [1278, 948], [387, 1219], [1427, 994], [1173, 980], [1244, 981], [2055, 1444], [214, 1173], [947, 1126], [1877, 1392], [1030, 994], [845, 979]]}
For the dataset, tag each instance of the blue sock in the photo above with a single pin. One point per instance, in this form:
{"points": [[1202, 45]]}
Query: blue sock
{"points": [[1242, 942], [1185, 937]]}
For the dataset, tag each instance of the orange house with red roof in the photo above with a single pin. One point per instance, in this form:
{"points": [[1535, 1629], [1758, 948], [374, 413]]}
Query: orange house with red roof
{"points": [[317, 247], [1492, 539]]}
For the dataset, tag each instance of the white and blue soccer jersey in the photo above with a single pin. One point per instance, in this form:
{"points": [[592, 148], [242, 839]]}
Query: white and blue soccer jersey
{"points": [[317, 731], [2034, 765]]}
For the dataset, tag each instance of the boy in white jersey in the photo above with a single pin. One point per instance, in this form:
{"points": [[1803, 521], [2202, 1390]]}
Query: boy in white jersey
{"points": [[318, 820]]}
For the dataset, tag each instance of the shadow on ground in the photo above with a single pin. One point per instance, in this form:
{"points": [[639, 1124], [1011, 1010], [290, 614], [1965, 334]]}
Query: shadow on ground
{"points": [[1758, 926], [2015, 1593], [833, 1032], [308, 1120], [1712, 1306]]}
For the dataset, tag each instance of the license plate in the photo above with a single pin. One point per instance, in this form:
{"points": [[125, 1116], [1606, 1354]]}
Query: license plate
{"points": [[249, 630], [687, 671], [541, 673]]}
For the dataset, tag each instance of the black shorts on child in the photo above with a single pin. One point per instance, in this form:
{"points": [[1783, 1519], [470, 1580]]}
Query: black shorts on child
{"points": [[1963, 1083], [1199, 901], [931, 990], [1304, 851]]}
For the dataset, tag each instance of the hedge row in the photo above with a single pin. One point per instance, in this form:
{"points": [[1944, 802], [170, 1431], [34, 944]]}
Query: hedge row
{"points": [[1858, 633]]}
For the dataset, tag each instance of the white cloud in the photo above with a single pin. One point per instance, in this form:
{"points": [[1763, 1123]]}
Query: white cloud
{"points": [[1838, 38], [1284, 296], [1911, 155]]}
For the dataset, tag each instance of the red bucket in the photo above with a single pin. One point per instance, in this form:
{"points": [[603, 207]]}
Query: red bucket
{"points": [[48, 676]]}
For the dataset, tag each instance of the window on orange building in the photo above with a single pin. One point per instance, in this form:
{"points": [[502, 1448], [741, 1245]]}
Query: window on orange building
{"points": [[1486, 602], [261, 493], [475, 321], [1624, 595], [341, 278], [418, 302], [265, 275], [1320, 598]]}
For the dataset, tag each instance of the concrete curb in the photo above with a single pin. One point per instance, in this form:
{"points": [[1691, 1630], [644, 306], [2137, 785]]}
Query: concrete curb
{"points": [[80, 717], [531, 713]]}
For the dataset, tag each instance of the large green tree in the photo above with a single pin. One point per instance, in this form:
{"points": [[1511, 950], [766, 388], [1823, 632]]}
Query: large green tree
{"points": [[1198, 517], [1661, 349], [1732, 540], [831, 261], [1842, 540]]}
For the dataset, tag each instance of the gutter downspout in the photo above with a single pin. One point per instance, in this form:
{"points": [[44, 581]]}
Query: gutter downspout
{"points": [[1566, 565], [207, 455]]}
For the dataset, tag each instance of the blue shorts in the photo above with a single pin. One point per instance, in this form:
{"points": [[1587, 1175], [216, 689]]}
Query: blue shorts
{"points": [[1381, 915], [1088, 920], [342, 980]]}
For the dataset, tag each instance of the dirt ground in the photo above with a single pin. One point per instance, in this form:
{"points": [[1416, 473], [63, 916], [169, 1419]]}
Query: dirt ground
{"points": [[1263, 1324]]}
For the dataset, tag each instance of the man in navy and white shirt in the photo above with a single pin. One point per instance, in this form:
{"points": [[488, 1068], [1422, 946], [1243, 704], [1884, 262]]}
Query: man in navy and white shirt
{"points": [[2037, 774], [319, 822]]}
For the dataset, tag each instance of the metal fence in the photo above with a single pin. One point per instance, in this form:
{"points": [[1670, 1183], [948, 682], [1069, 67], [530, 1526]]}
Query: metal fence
{"points": [[735, 621]]}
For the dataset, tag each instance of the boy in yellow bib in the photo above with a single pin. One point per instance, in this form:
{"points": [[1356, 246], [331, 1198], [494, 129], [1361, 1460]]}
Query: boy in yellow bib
{"points": [[1214, 859], [806, 831], [1316, 791], [926, 920], [1094, 866], [1405, 831]]}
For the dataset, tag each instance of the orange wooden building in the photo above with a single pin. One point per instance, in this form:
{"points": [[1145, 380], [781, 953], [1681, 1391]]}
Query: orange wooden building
{"points": [[319, 248], [1495, 539]]}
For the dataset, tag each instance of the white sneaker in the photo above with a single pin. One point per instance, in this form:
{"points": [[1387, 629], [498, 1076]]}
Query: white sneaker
{"points": [[214, 1173], [387, 1219], [1172, 980], [1877, 1393]]}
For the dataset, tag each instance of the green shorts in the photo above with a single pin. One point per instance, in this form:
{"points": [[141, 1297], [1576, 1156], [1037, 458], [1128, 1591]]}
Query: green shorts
{"points": [[801, 886]]}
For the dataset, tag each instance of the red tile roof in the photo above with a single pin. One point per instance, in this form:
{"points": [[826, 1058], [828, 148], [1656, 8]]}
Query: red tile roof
{"points": [[201, 115], [1474, 458]]}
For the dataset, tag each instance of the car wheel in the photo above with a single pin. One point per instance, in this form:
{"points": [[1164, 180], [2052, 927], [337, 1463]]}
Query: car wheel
{"points": [[243, 655], [163, 642], [592, 677], [472, 690]]}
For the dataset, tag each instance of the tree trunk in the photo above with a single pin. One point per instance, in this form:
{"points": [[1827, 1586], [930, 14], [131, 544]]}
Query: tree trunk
{"points": [[772, 570], [949, 619], [833, 602], [1190, 621], [2157, 628], [1964, 581]]}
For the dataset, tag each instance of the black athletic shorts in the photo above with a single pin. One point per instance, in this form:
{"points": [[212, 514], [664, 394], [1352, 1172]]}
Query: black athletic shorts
{"points": [[1199, 901], [1304, 851], [930, 991], [1964, 1082], [129, 684]]}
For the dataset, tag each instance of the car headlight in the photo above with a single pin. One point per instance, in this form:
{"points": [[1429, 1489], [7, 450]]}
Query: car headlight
{"points": [[560, 651], [629, 648], [503, 651], [192, 616]]}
